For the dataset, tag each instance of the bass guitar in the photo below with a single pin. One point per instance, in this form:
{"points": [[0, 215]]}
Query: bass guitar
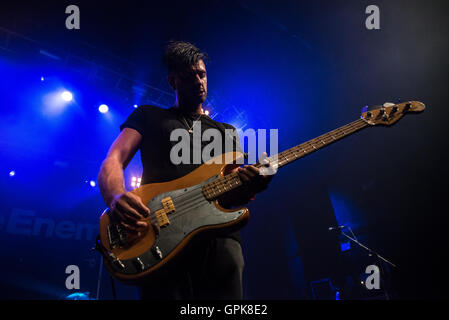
{"points": [[188, 207]]}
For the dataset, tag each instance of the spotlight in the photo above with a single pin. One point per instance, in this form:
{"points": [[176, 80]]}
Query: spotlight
{"points": [[206, 112], [12, 173], [66, 96], [103, 108], [42, 79], [135, 182], [135, 106], [92, 183]]}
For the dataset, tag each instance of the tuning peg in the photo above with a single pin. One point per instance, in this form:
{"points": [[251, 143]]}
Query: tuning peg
{"points": [[393, 110], [407, 107]]}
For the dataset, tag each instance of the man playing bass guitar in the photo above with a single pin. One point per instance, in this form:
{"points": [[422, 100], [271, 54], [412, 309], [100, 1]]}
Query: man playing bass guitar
{"points": [[214, 267]]}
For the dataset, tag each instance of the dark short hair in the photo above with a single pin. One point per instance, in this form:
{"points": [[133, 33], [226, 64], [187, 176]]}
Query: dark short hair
{"points": [[179, 55]]}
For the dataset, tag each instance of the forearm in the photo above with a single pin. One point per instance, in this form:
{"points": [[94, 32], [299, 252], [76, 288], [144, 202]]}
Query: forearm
{"points": [[111, 180]]}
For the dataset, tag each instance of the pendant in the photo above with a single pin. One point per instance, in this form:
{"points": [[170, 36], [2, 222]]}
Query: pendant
{"points": [[190, 131]]}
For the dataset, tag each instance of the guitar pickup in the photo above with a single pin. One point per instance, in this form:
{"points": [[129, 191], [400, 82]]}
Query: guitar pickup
{"points": [[161, 217], [168, 205], [162, 214]]}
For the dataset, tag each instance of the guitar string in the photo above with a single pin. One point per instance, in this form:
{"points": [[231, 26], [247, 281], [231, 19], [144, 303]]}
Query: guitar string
{"points": [[193, 202], [325, 136], [198, 199]]}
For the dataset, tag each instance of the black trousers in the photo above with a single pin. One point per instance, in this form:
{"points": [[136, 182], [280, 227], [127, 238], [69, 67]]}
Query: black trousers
{"points": [[212, 271]]}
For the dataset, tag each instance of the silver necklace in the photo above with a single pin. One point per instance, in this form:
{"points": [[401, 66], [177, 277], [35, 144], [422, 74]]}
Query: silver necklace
{"points": [[193, 123]]}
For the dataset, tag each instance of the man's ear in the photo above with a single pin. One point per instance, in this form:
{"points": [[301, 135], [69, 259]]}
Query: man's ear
{"points": [[171, 81]]}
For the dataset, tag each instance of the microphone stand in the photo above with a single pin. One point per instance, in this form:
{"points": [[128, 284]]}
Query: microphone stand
{"points": [[371, 252], [368, 249]]}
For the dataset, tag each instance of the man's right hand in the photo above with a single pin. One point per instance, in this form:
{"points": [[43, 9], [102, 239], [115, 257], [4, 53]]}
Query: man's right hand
{"points": [[129, 210]]}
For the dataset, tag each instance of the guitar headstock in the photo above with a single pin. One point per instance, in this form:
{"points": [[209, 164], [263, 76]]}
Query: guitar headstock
{"points": [[389, 113]]}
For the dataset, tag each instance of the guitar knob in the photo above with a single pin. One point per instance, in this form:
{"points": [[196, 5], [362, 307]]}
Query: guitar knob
{"points": [[157, 252], [139, 264], [116, 261]]}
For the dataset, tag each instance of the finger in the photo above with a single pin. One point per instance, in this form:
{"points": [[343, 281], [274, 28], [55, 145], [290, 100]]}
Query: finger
{"points": [[129, 211], [156, 228], [255, 171], [263, 156], [244, 177], [243, 174], [135, 203], [138, 205], [132, 222], [120, 216], [130, 214], [133, 229], [266, 163], [129, 228], [249, 172], [142, 209]]}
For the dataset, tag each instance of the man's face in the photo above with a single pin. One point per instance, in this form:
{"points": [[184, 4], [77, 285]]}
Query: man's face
{"points": [[191, 84]]}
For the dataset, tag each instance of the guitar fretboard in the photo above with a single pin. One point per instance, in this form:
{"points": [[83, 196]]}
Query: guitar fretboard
{"points": [[231, 181]]}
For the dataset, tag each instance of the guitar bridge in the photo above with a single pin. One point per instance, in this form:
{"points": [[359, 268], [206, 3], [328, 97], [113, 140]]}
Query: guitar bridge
{"points": [[117, 236]]}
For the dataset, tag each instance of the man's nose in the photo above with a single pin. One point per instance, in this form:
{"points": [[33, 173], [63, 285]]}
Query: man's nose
{"points": [[198, 79]]}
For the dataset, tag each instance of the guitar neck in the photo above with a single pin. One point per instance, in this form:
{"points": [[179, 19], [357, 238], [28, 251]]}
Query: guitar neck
{"points": [[231, 181], [295, 153]]}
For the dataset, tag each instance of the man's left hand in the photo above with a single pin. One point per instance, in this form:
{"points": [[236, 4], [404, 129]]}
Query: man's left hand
{"points": [[254, 179]]}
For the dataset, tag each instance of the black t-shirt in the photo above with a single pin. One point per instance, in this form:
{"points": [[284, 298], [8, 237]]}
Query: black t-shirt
{"points": [[156, 125]]}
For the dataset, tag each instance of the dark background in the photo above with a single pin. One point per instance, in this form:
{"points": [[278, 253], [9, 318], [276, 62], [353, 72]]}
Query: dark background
{"points": [[303, 67]]}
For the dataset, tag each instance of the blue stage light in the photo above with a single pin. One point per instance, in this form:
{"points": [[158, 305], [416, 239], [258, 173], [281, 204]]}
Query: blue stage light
{"points": [[345, 246], [42, 79], [79, 296], [135, 106], [66, 96], [12, 173], [103, 108], [92, 183]]}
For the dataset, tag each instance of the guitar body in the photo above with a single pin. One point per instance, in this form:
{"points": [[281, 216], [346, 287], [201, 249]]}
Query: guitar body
{"points": [[183, 213]]}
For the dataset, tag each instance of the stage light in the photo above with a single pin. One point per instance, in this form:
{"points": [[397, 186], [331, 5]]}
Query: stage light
{"points": [[92, 183], [103, 108], [135, 182], [79, 296], [345, 246], [42, 79], [206, 112], [67, 96], [12, 173], [135, 106]]}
